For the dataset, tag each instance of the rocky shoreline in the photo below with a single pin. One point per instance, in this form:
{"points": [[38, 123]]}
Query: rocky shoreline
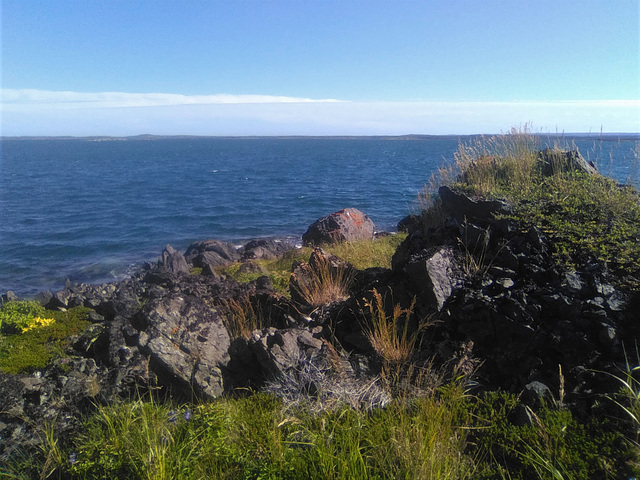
{"points": [[500, 309]]}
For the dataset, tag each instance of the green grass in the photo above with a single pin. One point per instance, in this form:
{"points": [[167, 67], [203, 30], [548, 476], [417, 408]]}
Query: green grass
{"points": [[447, 434], [362, 255]]}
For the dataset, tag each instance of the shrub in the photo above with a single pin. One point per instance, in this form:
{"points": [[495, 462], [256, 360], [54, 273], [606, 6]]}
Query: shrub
{"points": [[14, 316], [38, 340]]}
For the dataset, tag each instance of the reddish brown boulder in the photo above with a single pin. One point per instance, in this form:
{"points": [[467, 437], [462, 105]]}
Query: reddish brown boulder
{"points": [[347, 225]]}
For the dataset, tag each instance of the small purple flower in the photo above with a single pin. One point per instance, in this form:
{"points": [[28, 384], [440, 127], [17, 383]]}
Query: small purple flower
{"points": [[187, 415], [73, 458], [172, 417]]}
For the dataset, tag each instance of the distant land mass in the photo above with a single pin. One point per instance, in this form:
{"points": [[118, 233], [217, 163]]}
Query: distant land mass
{"points": [[408, 137]]}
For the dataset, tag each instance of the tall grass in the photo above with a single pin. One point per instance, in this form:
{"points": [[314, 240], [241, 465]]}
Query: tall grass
{"points": [[486, 164], [255, 437], [242, 316]]}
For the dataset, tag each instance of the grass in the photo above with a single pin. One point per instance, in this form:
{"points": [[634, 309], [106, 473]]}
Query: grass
{"points": [[242, 316], [322, 281], [362, 255], [256, 437], [448, 434]]}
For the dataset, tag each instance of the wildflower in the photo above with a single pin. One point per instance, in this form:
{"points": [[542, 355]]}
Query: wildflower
{"points": [[187, 415], [172, 417], [38, 322], [73, 458]]}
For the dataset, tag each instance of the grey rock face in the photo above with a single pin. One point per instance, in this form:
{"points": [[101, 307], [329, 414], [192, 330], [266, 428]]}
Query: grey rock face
{"points": [[185, 338], [174, 260]]}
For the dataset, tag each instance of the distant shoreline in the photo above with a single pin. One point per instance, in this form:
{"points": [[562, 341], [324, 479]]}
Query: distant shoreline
{"points": [[408, 137]]}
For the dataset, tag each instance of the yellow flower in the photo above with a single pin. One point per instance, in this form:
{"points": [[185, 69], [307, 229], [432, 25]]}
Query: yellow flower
{"points": [[38, 322]]}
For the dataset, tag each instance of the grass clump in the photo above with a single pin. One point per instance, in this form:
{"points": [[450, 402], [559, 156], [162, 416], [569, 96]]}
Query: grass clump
{"points": [[324, 280], [30, 336], [242, 316]]}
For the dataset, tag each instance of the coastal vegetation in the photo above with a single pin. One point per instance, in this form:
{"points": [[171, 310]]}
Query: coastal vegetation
{"points": [[31, 337], [432, 422], [361, 255]]}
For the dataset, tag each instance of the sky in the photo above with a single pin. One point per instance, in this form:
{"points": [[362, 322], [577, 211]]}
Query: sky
{"points": [[318, 67]]}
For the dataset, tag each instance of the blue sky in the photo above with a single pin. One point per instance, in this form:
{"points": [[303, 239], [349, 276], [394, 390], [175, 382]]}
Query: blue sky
{"points": [[319, 67]]}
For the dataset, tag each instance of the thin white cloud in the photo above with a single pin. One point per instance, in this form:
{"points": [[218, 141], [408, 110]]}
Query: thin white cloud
{"points": [[38, 112], [17, 99]]}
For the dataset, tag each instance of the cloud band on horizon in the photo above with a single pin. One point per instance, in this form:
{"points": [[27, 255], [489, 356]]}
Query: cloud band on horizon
{"points": [[42, 112]]}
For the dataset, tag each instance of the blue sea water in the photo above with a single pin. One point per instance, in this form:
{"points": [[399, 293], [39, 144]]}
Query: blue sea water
{"points": [[92, 210]]}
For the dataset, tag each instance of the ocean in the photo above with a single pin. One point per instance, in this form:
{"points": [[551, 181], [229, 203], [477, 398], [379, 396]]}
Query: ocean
{"points": [[94, 209]]}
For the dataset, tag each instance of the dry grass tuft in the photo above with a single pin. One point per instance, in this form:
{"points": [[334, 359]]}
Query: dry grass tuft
{"points": [[241, 317], [323, 280]]}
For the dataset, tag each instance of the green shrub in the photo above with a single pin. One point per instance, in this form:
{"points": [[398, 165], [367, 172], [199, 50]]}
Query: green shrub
{"points": [[33, 345], [14, 316]]}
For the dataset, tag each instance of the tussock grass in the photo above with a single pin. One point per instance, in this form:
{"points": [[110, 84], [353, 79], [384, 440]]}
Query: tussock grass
{"points": [[486, 165], [323, 281], [389, 335]]}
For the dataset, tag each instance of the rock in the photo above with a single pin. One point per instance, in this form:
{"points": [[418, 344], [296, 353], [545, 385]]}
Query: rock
{"points": [[280, 350], [535, 394], [463, 208], [173, 260], [187, 344], [553, 161], [347, 225], [10, 296], [212, 252], [263, 248], [410, 223], [432, 275]]}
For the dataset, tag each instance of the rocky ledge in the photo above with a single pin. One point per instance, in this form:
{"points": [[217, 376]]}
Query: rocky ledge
{"points": [[499, 307]]}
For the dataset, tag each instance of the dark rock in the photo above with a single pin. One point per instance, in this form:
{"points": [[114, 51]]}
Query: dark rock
{"points": [[410, 223], [346, 225], [553, 161], [173, 260], [463, 208], [433, 275], [43, 298], [280, 350], [187, 344], [212, 252], [10, 296], [267, 249], [535, 394]]}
